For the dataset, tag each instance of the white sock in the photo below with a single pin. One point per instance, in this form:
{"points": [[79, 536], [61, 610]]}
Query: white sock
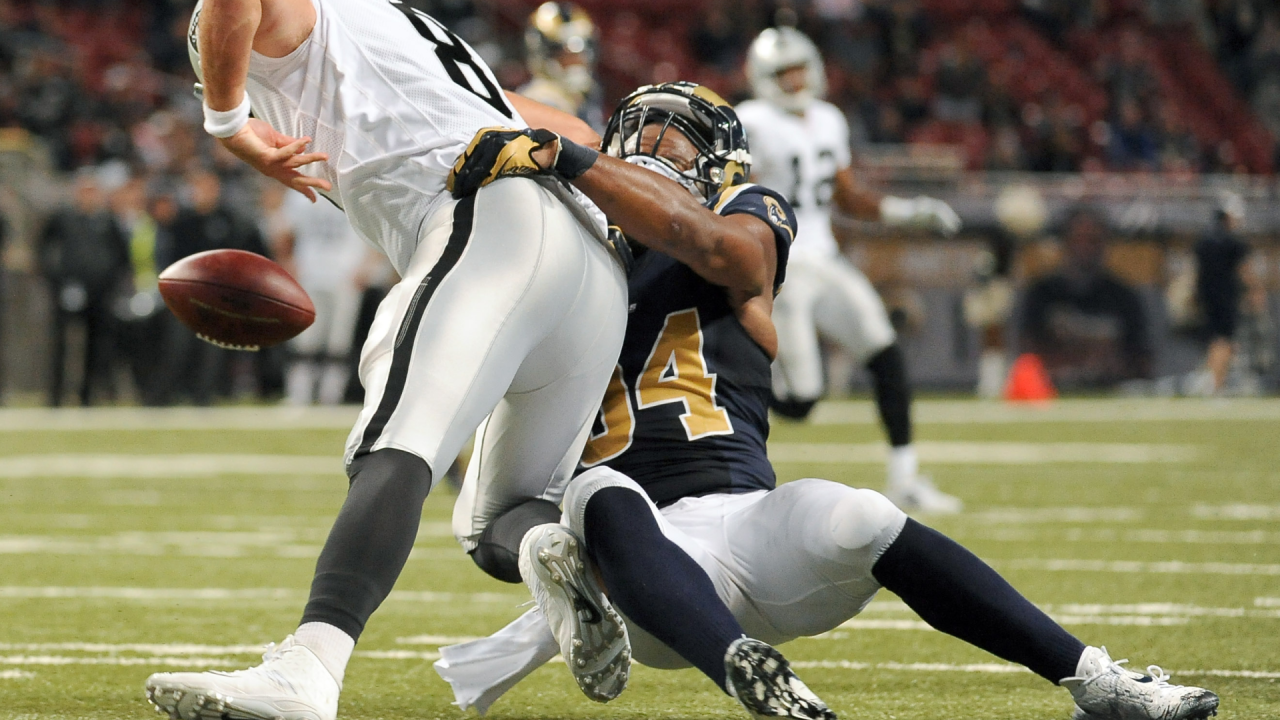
{"points": [[904, 465], [330, 644]]}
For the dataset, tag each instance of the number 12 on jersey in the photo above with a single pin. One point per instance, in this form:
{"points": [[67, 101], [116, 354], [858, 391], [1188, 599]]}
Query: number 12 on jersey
{"points": [[676, 372]]}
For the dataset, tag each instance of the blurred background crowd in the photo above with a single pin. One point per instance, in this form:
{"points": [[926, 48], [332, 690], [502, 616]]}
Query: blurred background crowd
{"points": [[1091, 146]]}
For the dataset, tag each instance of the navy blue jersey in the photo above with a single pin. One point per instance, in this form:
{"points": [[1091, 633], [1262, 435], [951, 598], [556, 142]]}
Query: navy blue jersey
{"points": [[687, 410]]}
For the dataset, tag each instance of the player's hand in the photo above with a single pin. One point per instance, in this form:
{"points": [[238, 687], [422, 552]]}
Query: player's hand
{"points": [[921, 212], [936, 215], [497, 152], [277, 156]]}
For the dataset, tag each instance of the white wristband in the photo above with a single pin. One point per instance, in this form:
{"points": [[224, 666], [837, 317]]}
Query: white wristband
{"points": [[896, 210], [225, 123]]}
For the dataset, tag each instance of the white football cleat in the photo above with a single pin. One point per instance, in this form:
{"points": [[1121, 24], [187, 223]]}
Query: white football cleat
{"points": [[290, 684], [922, 496], [757, 676], [592, 636], [1105, 691]]}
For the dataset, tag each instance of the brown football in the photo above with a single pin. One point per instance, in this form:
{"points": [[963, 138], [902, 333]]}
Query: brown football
{"points": [[236, 299]]}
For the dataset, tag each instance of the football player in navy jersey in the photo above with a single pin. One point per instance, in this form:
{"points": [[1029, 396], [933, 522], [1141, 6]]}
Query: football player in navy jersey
{"points": [[676, 510]]}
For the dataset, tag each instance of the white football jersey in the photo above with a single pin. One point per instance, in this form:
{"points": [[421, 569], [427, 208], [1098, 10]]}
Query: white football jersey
{"points": [[394, 98], [326, 249], [799, 157]]}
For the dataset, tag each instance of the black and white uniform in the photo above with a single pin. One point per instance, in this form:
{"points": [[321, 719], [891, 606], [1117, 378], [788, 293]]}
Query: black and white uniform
{"points": [[684, 426], [509, 301], [825, 294]]}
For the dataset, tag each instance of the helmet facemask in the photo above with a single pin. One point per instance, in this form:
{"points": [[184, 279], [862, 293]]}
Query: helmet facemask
{"points": [[714, 132]]}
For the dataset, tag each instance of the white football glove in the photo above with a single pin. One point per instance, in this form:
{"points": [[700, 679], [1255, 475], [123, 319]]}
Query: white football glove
{"points": [[921, 212]]}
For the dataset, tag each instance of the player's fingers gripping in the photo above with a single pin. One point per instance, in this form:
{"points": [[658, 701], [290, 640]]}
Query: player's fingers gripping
{"points": [[497, 153]]}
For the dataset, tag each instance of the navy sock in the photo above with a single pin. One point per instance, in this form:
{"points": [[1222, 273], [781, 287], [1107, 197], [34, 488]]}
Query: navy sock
{"points": [[655, 583], [960, 595]]}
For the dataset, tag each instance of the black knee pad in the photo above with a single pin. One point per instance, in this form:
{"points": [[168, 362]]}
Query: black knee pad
{"points": [[498, 550], [791, 408]]}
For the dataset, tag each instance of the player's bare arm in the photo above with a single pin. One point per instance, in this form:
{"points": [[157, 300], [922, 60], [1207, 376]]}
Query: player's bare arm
{"points": [[557, 121], [736, 252], [229, 30]]}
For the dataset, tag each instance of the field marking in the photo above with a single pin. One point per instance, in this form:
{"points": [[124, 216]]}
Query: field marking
{"points": [[145, 419], [985, 453], [101, 465], [15, 675], [997, 668], [952, 412], [436, 639], [25, 592], [1269, 602], [192, 655], [1130, 410], [1133, 566], [1235, 511], [1040, 515], [1111, 535]]}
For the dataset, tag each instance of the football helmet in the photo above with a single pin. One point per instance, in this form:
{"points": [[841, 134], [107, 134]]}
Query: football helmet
{"points": [[775, 50], [556, 29], [705, 118], [193, 46]]}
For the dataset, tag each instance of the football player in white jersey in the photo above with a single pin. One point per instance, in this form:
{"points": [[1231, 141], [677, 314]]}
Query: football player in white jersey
{"points": [[560, 44], [510, 310], [800, 145]]}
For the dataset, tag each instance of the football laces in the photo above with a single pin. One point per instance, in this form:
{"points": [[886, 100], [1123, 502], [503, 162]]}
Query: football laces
{"points": [[228, 346]]}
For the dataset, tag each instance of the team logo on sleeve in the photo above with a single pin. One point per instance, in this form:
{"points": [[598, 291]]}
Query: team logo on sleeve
{"points": [[778, 216]]}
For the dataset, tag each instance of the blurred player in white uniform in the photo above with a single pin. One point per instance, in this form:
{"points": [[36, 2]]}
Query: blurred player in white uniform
{"points": [[560, 47], [315, 242], [800, 145], [510, 310]]}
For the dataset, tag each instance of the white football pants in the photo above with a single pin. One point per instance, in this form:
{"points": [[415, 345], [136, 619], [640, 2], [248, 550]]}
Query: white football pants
{"points": [[788, 563], [511, 310], [832, 298]]}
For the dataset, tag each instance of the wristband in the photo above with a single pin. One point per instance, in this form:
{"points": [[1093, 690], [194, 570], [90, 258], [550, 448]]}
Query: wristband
{"points": [[896, 210], [574, 159], [225, 123]]}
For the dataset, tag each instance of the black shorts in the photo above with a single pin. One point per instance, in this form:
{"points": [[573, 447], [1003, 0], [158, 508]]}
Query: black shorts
{"points": [[1221, 320]]}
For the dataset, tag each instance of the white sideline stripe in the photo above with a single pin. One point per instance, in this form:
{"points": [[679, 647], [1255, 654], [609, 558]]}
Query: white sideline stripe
{"points": [[1267, 602], [998, 668], [1132, 566], [15, 675], [985, 453], [97, 465], [240, 418], [22, 592], [966, 412]]}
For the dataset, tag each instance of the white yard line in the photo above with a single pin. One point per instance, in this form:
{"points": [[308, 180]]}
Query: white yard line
{"points": [[101, 465], [985, 453], [1040, 515], [966, 412], [23, 592], [1235, 511], [957, 412], [15, 675], [134, 419], [999, 668], [1113, 535], [1132, 566]]}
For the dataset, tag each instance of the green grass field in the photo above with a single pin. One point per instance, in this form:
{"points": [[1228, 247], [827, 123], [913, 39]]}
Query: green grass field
{"points": [[132, 542]]}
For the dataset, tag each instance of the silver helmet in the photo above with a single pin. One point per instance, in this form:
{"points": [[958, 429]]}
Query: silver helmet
{"points": [[193, 44], [778, 49]]}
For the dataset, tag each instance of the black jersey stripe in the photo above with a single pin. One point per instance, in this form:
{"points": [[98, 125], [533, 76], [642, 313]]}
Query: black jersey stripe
{"points": [[402, 354]]}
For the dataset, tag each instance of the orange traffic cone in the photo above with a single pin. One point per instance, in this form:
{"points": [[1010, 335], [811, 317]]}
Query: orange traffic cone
{"points": [[1029, 381]]}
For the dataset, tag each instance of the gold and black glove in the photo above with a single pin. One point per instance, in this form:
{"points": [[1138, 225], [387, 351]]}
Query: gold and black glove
{"points": [[495, 153]]}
